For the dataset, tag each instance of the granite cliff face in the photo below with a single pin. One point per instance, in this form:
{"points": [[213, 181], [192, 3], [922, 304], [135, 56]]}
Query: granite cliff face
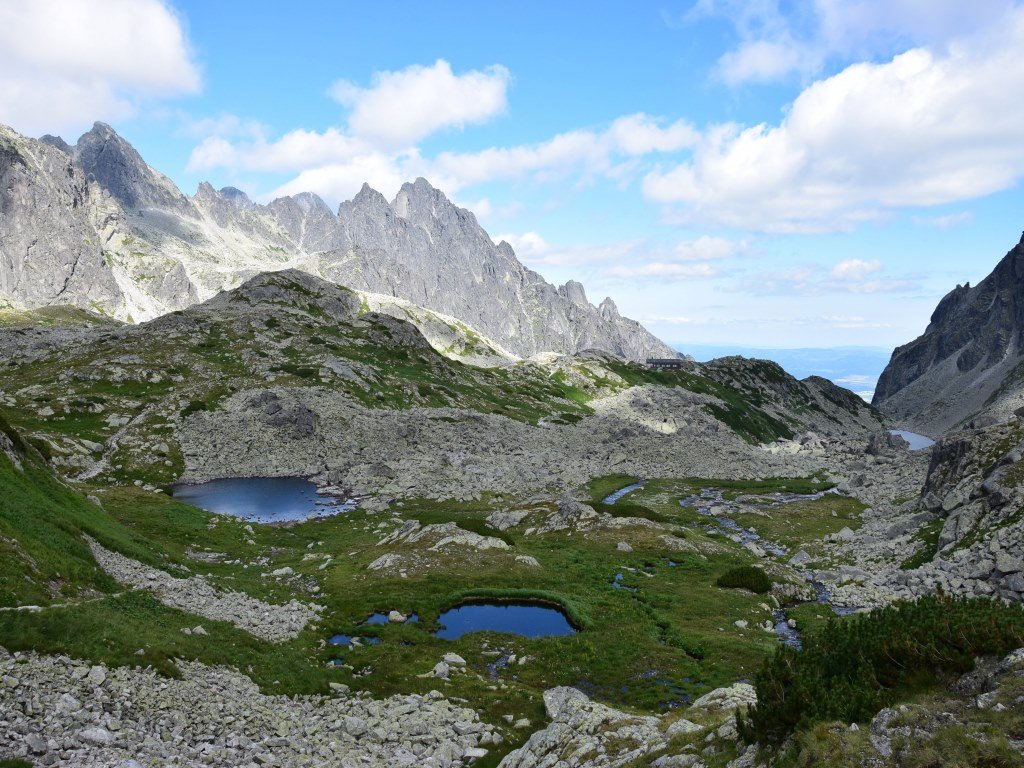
{"points": [[50, 220], [156, 250], [970, 360]]}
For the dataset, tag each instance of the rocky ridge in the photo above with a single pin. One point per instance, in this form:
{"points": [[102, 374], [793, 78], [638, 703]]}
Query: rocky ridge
{"points": [[94, 226], [968, 361]]}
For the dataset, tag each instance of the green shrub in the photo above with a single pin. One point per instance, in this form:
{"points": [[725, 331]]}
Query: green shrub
{"points": [[848, 670], [302, 371], [194, 406], [43, 446], [12, 435], [745, 577]]}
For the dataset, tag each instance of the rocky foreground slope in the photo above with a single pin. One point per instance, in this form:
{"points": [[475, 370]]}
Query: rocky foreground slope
{"points": [[969, 360], [94, 226]]}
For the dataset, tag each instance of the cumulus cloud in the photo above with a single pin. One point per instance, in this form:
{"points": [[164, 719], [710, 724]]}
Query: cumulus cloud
{"points": [[922, 129], [66, 63], [400, 108]]}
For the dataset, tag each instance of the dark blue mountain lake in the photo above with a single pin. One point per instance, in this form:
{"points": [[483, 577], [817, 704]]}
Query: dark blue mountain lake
{"points": [[262, 499], [526, 619], [917, 442]]}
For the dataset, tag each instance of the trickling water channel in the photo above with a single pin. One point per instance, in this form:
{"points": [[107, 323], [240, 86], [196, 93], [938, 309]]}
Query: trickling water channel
{"points": [[612, 498]]}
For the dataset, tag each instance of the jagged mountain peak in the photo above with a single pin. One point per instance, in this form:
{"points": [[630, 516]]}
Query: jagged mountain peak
{"points": [[57, 142], [308, 201], [237, 197], [423, 204], [608, 309], [367, 198], [573, 291], [113, 163]]}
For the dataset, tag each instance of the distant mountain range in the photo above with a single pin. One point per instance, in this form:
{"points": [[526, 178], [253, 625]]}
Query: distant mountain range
{"points": [[92, 225]]}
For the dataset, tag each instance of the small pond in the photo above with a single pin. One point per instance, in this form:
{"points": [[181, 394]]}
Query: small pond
{"points": [[917, 442], [262, 499], [526, 619]]}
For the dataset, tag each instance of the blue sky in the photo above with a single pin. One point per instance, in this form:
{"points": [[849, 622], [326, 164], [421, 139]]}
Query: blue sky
{"points": [[760, 173]]}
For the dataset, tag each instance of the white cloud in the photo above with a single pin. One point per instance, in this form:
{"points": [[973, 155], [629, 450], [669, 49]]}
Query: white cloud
{"points": [[400, 108], [855, 269], [641, 134], [945, 222], [66, 63], [923, 129], [668, 319], [762, 61], [340, 181], [665, 270]]}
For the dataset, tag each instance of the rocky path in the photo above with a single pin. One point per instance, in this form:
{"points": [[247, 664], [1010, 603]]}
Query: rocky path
{"points": [[275, 623]]}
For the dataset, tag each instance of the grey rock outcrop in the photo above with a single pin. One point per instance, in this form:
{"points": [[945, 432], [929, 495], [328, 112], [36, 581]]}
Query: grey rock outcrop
{"points": [[50, 251], [136, 248], [969, 359]]}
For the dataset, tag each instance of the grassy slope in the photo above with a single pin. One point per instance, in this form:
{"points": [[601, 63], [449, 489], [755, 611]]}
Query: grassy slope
{"points": [[678, 622]]}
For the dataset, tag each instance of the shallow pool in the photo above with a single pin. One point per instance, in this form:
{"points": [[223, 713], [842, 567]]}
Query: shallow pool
{"points": [[526, 619], [262, 499]]}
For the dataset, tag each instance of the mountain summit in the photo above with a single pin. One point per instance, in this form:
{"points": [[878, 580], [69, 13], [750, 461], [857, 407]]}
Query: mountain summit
{"points": [[97, 227]]}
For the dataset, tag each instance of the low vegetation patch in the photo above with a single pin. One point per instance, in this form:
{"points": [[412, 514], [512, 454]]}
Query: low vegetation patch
{"points": [[849, 670], [928, 545], [745, 577]]}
